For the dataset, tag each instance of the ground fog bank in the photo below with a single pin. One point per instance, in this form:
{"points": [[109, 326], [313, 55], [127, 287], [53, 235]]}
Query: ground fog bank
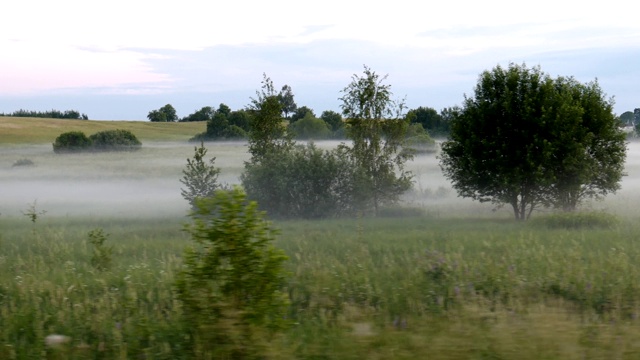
{"points": [[146, 183]]}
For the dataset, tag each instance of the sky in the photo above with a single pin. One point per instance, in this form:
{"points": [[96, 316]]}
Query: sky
{"points": [[118, 60]]}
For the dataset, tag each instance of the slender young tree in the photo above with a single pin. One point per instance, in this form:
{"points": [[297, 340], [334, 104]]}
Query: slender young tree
{"points": [[200, 178], [377, 128], [268, 133]]}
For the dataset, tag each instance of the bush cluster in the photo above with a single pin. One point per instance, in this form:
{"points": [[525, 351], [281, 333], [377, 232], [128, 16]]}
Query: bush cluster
{"points": [[109, 140], [114, 140], [304, 182]]}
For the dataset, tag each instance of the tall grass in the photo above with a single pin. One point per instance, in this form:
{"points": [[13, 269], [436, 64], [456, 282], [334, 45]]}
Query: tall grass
{"points": [[361, 288]]}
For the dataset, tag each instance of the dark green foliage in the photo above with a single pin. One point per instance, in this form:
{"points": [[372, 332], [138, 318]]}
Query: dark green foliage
{"points": [[589, 149], [310, 128], [528, 140], [204, 114], [268, 133], [72, 141], [303, 182], [333, 119], [166, 113], [301, 113], [225, 124], [217, 126], [224, 110], [241, 119], [235, 133], [54, 114], [286, 100], [434, 123], [627, 118], [378, 131], [230, 283], [115, 140], [200, 178], [101, 258], [108, 140]]}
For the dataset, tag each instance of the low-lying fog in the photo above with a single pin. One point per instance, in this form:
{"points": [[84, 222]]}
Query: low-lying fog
{"points": [[146, 183]]}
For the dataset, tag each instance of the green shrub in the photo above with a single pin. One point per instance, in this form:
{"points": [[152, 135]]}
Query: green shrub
{"points": [[102, 255], [576, 220], [235, 132], [72, 141], [230, 283], [304, 182], [115, 140], [310, 127]]}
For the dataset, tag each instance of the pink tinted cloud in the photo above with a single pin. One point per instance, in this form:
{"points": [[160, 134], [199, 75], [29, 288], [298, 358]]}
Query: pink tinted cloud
{"points": [[34, 67]]}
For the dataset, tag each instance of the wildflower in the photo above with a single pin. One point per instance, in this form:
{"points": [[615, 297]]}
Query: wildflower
{"points": [[56, 341]]}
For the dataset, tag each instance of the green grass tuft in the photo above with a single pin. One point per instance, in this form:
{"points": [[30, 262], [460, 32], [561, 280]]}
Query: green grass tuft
{"points": [[576, 220]]}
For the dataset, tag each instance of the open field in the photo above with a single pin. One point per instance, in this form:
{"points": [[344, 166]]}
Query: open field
{"points": [[19, 130], [460, 281]]}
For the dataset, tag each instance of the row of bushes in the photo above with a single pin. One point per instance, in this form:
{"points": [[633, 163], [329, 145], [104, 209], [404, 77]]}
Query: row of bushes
{"points": [[109, 140]]}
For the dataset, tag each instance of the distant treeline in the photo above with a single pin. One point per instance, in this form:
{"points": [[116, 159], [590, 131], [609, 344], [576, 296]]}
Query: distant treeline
{"points": [[54, 114]]}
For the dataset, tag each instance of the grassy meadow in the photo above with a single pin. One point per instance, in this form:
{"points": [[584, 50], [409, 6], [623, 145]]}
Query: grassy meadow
{"points": [[459, 280], [20, 130]]}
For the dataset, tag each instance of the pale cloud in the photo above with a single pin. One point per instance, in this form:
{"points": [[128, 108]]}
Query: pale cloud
{"points": [[33, 66], [430, 49]]}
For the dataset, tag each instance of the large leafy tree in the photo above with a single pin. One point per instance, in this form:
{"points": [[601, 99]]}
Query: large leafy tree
{"points": [[590, 149], [377, 128], [527, 140]]}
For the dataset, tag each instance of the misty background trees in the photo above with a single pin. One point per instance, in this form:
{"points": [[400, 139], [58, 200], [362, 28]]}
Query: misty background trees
{"points": [[53, 114], [524, 139], [291, 180]]}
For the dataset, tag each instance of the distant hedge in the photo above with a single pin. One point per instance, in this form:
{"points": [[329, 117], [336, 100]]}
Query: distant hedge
{"points": [[109, 140]]}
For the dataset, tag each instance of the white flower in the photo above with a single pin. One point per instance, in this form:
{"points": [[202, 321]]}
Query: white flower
{"points": [[56, 341]]}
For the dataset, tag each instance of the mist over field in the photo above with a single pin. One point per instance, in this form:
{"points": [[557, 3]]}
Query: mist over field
{"points": [[146, 183]]}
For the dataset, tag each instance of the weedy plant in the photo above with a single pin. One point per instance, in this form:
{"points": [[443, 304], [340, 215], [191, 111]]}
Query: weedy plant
{"points": [[32, 213], [102, 254], [230, 283]]}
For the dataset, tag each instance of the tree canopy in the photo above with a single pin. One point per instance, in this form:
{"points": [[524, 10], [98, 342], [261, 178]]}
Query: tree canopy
{"points": [[528, 140], [166, 113], [286, 100]]}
